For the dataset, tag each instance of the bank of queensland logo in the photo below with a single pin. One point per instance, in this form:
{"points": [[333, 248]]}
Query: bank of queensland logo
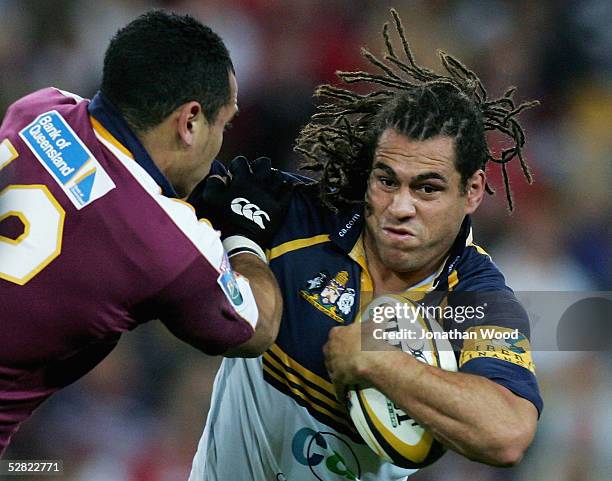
{"points": [[229, 284], [64, 155], [330, 295]]}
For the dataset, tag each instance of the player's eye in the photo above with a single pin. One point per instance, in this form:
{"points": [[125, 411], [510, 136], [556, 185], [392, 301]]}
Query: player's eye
{"points": [[428, 188], [386, 181]]}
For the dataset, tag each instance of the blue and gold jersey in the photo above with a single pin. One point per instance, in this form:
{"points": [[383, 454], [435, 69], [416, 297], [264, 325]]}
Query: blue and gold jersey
{"points": [[282, 406], [319, 263]]}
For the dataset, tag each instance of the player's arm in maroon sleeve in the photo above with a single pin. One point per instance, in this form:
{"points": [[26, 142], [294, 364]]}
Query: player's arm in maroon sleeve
{"points": [[217, 311], [226, 301], [247, 204], [269, 305], [199, 297]]}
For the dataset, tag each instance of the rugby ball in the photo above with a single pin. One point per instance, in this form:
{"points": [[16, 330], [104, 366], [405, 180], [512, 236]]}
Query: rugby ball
{"points": [[391, 433]]}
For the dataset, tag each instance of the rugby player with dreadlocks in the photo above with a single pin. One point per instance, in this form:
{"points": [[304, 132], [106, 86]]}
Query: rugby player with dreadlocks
{"points": [[402, 168]]}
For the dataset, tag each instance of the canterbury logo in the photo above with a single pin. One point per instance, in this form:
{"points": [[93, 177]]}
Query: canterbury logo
{"points": [[242, 206]]}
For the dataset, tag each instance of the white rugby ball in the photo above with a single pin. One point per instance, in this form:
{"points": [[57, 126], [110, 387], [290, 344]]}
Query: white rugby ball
{"points": [[387, 430]]}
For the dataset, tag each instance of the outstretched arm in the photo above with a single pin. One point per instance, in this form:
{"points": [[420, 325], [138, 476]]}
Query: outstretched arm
{"points": [[269, 305], [248, 205]]}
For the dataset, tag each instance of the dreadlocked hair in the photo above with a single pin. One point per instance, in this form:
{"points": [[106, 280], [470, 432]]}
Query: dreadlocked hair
{"points": [[340, 139]]}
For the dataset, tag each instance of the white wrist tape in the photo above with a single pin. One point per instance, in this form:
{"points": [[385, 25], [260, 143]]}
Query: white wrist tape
{"points": [[238, 244]]}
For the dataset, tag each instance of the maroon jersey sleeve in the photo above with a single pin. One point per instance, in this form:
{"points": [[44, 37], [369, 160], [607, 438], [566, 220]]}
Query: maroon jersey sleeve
{"points": [[90, 248], [183, 306]]}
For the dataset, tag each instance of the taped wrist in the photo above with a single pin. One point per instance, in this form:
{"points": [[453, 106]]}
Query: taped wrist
{"points": [[238, 244]]}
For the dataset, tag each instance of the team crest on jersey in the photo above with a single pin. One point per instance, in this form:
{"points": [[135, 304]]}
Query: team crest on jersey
{"points": [[330, 295]]}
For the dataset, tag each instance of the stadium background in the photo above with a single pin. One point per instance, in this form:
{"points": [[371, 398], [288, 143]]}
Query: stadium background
{"points": [[139, 415]]}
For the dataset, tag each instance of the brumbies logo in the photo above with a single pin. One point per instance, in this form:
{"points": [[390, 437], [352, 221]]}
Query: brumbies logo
{"points": [[330, 295]]}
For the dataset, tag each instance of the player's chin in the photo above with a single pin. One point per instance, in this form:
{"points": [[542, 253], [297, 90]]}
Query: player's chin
{"points": [[399, 260], [404, 247]]}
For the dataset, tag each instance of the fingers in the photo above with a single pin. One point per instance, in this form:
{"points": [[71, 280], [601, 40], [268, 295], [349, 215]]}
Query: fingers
{"points": [[261, 173], [240, 168], [262, 168], [281, 186], [216, 178], [267, 176], [340, 387], [205, 194], [214, 186], [264, 172]]}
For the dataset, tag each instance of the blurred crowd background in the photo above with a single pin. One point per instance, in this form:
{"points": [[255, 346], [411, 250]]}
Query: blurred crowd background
{"points": [[139, 415]]}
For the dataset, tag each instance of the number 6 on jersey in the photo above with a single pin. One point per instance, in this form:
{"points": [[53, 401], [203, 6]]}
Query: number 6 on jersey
{"points": [[41, 241]]}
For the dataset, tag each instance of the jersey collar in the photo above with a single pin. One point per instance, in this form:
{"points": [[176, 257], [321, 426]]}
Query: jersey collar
{"points": [[345, 227], [111, 119], [463, 239]]}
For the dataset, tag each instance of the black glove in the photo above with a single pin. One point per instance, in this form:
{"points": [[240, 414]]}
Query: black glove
{"points": [[251, 201]]}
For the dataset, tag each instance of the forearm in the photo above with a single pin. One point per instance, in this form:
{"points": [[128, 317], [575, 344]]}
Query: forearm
{"points": [[269, 305], [470, 414]]}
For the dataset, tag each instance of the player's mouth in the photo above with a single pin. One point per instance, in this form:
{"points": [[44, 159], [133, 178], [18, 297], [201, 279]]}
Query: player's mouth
{"points": [[398, 233]]}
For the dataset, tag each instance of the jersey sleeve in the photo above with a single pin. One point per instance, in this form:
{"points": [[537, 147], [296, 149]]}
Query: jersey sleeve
{"points": [[208, 305], [196, 309], [495, 342], [199, 298], [498, 345]]}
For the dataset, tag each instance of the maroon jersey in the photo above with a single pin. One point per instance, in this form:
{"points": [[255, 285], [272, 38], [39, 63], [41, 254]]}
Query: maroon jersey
{"points": [[90, 248]]}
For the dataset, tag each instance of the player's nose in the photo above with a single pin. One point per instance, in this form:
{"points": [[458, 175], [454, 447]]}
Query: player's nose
{"points": [[403, 205]]}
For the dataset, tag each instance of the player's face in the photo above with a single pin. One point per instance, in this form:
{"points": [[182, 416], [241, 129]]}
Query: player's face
{"points": [[225, 115], [211, 137], [416, 204]]}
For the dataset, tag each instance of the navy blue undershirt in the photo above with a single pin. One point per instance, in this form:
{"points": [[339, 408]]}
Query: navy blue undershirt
{"points": [[112, 120]]}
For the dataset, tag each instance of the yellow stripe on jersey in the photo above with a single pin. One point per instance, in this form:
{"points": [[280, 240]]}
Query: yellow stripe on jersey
{"points": [[479, 249], [99, 128], [453, 280], [324, 384], [296, 245], [308, 390], [489, 342], [302, 396], [367, 285]]}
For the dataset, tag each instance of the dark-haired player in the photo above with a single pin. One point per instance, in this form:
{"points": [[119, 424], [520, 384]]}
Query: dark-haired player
{"points": [[94, 239], [402, 171]]}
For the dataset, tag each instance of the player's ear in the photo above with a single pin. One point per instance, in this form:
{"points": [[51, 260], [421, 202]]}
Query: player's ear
{"points": [[190, 119], [474, 191]]}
